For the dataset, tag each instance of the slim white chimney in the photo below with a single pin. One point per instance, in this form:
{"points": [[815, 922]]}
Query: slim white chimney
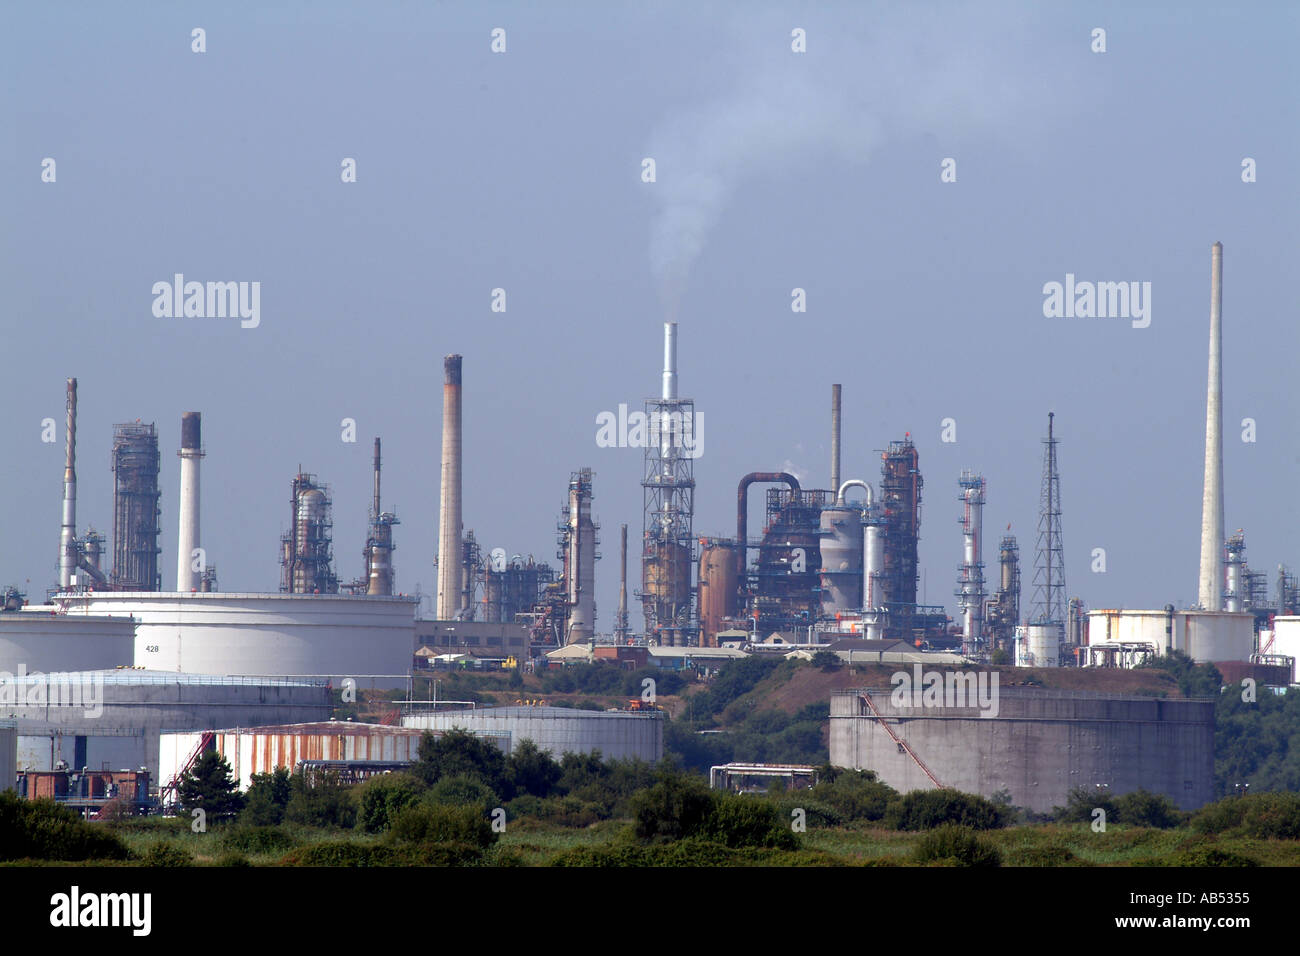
{"points": [[1212, 543], [188, 578], [835, 438], [450, 554], [68, 530]]}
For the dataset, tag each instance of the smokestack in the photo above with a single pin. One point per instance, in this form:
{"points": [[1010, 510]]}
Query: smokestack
{"points": [[670, 361], [1211, 579], [449, 515], [375, 512], [187, 578], [68, 531], [835, 437], [622, 587]]}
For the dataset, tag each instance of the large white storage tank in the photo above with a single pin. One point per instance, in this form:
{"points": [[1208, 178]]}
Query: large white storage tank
{"points": [[1286, 636], [1039, 645], [42, 638], [559, 730], [1205, 636], [370, 639]]}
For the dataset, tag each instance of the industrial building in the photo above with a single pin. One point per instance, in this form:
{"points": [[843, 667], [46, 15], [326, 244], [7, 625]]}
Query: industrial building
{"points": [[330, 636], [1037, 745], [254, 750], [112, 719], [558, 730]]}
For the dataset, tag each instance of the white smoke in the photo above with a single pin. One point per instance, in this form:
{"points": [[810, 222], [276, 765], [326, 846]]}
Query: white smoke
{"points": [[925, 70]]}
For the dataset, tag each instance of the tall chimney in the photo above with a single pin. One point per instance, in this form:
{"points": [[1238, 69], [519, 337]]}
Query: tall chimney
{"points": [[68, 531], [187, 577], [621, 624], [670, 361], [449, 515], [1212, 543], [374, 511], [835, 439]]}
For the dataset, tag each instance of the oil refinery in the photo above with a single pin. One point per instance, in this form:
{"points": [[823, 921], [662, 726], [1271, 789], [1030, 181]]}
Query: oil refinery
{"points": [[828, 564]]}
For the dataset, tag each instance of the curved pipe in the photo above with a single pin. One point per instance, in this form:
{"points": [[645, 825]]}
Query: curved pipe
{"points": [[856, 483], [742, 512]]}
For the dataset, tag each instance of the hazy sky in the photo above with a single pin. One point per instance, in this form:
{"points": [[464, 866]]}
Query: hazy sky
{"points": [[775, 170]]}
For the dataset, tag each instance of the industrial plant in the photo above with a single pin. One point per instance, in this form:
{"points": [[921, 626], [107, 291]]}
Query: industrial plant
{"points": [[831, 564]]}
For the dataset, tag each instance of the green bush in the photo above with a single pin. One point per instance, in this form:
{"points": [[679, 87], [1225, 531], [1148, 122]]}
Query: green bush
{"points": [[1205, 856], [462, 791], [381, 798], [268, 796], [245, 839], [458, 753], [740, 821], [166, 854], [327, 803], [854, 794], [682, 807], [232, 860], [43, 830], [1052, 854], [1141, 808], [956, 846], [531, 770], [927, 809], [425, 824], [210, 786], [1260, 815], [342, 853]]}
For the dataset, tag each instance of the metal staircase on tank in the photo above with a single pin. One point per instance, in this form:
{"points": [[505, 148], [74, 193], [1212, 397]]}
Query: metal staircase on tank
{"points": [[903, 745], [173, 785]]}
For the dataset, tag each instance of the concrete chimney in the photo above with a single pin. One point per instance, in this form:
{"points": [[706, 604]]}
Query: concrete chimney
{"points": [[68, 530], [835, 437], [1212, 543], [621, 623], [450, 558], [187, 540]]}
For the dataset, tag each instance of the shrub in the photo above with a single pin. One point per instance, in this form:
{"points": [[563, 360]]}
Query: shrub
{"points": [[381, 798], [268, 796], [232, 860], [927, 809], [1080, 804], [675, 807], [956, 846], [342, 853], [531, 770], [245, 839], [462, 791], [1141, 808], [43, 830], [443, 825], [855, 795], [458, 753], [1205, 856], [738, 821], [1260, 815], [166, 854], [1053, 854], [327, 803], [208, 785]]}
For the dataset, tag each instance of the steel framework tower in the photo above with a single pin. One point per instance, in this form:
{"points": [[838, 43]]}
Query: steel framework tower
{"points": [[668, 496], [1049, 563], [135, 508]]}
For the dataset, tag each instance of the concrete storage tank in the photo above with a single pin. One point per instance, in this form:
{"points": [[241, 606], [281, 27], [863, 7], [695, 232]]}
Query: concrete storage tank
{"points": [[1286, 635], [37, 639], [559, 730], [8, 754], [253, 750], [1037, 744], [114, 718], [370, 639]]}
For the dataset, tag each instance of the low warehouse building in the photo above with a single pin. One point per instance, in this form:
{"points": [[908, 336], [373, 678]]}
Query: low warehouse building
{"points": [[558, 730], [111, 720], [1035, 744]]}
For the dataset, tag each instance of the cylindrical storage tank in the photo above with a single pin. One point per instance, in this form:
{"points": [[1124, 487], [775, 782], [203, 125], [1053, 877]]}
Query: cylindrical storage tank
{"points": [[719, 586], [35, 640], [559, 730], [492, 596], [1039, 645], [841, 551], [1210, 636], [1286, 635]]}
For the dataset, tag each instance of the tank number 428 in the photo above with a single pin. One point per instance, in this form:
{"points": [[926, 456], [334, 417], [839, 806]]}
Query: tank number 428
{"points": [[151, 648]]}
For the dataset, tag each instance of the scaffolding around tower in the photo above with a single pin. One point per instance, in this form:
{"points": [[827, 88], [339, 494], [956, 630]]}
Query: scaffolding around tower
{"points": [[136, 509], [306, 550]]}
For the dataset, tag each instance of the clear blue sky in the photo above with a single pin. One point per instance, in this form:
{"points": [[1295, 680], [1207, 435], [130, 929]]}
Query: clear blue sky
{"points": [[775, 170]]}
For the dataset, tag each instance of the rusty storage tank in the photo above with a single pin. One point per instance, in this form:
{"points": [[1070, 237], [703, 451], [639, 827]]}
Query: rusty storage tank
{"points": [[666, 577], [841, 553], [719, 587]]}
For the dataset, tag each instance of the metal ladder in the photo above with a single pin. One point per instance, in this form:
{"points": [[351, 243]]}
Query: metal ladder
{"points": [[902, 744]]}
